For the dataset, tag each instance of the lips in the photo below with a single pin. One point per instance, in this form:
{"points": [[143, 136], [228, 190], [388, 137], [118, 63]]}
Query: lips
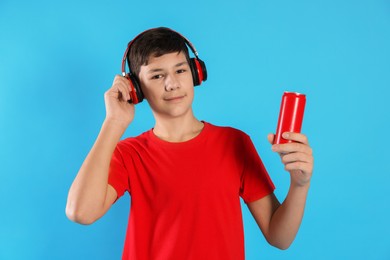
{"points": [[174, 98]]}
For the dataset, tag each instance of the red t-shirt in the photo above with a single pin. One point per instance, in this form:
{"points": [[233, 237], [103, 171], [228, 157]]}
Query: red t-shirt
{"points": [[185, 197]]}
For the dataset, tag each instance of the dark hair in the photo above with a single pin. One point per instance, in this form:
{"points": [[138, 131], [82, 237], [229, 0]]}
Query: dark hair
{"points": [[156, 42]]}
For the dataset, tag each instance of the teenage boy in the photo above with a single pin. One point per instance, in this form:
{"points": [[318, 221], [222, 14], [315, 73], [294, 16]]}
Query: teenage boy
{"points": [[185, 176]]}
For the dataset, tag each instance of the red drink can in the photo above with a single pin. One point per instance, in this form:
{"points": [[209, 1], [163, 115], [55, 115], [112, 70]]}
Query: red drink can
{"points": [[290, 115]]}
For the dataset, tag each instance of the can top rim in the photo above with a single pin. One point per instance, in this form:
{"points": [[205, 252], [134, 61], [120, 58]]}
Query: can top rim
{"points": [[295, 93]]}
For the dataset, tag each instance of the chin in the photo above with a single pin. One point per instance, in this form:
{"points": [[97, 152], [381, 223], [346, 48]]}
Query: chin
{"points": [[177, 112]]}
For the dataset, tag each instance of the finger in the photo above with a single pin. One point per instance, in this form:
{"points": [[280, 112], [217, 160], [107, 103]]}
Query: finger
{"points": [[298, 166], [121, 80], [127, 83], [297, 137], [270, 138], [296, 157], [118, 79], [123, 90], [291, 147]]}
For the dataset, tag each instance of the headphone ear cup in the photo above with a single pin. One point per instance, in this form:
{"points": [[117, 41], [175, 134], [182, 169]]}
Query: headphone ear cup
{"points": [[203, 68], [194, 71], [136, 93], [198, 70]]}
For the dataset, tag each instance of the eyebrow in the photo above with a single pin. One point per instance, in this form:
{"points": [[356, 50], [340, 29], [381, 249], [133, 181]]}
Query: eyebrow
{"points": [[158, 69]]}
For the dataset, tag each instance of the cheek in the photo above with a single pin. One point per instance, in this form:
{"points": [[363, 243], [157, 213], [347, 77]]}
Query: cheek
{"points": [[147, 88], [153, 92], [188, 81]]}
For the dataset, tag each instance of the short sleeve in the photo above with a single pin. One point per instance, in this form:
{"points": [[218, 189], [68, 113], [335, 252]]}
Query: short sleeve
{"points": [[255, 181], [118, 176]]}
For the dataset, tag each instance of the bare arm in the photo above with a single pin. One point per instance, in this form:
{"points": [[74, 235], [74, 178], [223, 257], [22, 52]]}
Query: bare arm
{"points": [[90, 195], [280, 222]]}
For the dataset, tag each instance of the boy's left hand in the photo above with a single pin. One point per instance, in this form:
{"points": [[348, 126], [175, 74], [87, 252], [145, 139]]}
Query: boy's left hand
{"points": [[297, 157]]}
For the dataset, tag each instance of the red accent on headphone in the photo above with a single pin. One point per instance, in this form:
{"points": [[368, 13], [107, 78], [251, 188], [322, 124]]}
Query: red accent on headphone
{"points": [[134, 98], [200, 71], [133, 94]]}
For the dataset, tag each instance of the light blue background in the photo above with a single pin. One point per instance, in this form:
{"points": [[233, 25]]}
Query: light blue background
{"points": [[57, 58]]}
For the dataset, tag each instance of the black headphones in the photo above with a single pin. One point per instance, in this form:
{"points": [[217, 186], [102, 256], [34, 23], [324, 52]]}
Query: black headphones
{"points": [[197, 66]]}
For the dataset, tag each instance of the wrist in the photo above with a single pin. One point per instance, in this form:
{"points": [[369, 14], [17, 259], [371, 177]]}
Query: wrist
{"points": [[113, 123], [300, 186], [115, 126], [298, 193]]}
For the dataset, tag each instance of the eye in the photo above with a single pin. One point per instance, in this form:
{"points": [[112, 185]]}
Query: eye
{"points": [[181, 71], [158, 76]]}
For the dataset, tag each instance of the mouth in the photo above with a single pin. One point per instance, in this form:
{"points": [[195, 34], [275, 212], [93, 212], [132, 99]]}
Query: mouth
{"points": [[174, 98]]}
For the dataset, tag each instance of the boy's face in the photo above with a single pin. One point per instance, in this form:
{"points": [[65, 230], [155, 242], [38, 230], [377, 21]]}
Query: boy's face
{"points": [[167, 85]]}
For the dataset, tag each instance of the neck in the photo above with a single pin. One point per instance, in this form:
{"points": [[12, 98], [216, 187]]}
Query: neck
{"points": [[178, 129]]}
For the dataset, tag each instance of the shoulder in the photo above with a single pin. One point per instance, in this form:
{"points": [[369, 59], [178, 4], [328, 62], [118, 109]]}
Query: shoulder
{"points": [[225, 129], [228, 132], [135, 142]]}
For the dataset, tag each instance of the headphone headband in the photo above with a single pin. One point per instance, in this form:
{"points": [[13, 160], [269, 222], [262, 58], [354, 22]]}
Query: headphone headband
{"points": [[188, 43]]}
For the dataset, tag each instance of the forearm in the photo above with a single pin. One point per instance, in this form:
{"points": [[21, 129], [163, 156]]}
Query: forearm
{"points": [[87, 195], [287, 219]]}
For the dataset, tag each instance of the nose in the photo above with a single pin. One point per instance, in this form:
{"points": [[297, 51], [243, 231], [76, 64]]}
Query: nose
{"points": [[171, 83]]}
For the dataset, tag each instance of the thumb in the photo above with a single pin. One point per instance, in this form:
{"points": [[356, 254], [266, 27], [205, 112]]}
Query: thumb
{"points": [[271, 138]]}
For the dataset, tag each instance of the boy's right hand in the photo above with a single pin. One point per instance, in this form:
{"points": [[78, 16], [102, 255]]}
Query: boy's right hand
{"points": [[118, 109]]}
